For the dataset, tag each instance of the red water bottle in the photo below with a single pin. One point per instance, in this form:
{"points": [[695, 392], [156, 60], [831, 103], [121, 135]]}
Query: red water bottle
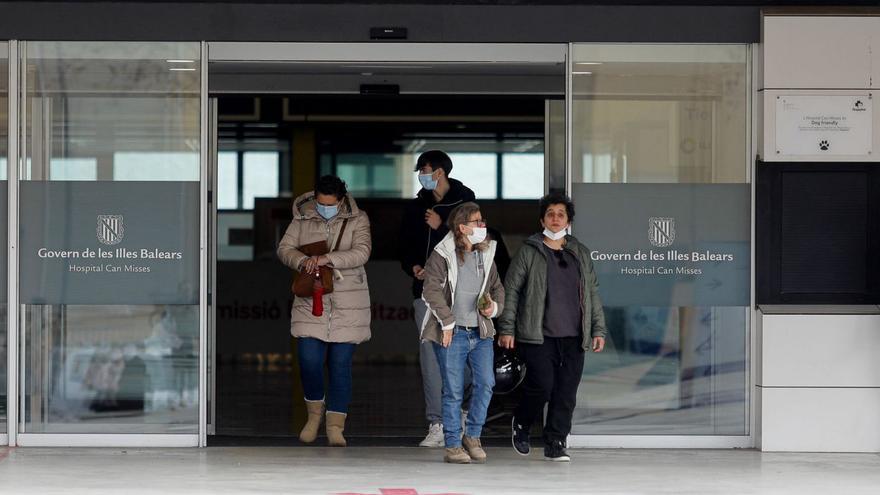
{"points": [[318, 296]]}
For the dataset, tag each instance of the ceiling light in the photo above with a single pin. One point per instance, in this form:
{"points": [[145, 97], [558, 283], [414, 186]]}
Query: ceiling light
{"points": [[180, 61], [187, 69], [581, 73], [588, 63]]}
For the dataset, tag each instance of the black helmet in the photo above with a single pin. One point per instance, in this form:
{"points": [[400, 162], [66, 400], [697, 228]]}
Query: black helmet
{"points": [[510, 371]]}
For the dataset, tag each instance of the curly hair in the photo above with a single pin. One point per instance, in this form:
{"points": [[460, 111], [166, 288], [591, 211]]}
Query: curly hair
{"points": [[331, 185], [556, 198]]}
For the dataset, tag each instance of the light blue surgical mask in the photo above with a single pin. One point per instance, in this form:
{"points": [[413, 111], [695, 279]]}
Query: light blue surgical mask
{"points": [[427, 181], [327, 212]]}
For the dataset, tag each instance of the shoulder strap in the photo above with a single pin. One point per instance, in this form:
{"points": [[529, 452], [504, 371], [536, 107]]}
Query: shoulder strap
{"points": [[339, 236]]}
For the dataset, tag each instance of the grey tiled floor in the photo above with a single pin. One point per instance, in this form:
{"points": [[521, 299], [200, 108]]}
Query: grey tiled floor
{"points": [[321, 470]]}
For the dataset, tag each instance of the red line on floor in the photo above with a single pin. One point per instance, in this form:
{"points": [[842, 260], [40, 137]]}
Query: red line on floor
{"points": [[397, 491]]}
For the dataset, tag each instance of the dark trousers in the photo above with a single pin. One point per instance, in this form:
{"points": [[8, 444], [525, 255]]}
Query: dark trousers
{"points": [[553, 373]]}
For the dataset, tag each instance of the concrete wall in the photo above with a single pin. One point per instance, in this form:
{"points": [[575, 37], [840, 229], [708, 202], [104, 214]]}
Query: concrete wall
{"points": [[818, 385]]}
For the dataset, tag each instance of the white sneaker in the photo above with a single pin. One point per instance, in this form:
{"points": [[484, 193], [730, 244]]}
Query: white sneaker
{"points": [[435, 436]]}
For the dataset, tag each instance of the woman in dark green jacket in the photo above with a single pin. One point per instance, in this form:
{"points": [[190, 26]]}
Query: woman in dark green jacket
{"points": [[552, 315]]}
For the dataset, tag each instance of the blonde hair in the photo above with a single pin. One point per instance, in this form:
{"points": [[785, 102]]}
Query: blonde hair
{"points": [[459, 216]]}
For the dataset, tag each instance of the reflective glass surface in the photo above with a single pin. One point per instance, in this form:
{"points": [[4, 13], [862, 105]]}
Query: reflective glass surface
{"points": [[4, 148], [659, 117], [112, 169]]}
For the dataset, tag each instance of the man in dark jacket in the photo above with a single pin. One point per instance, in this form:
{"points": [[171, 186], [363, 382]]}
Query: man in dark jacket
{"points": [[423, 226]]}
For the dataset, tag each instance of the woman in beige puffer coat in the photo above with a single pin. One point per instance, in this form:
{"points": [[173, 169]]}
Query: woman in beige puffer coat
{"points": [[320, 216]]}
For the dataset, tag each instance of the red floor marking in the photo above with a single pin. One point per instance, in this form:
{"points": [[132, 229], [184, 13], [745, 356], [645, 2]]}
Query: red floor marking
{"points": [[4, 453], [397, 491]]}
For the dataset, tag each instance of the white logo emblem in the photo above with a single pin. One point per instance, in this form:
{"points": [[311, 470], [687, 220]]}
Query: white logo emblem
{"points": [[110, 229], [661, 231]]}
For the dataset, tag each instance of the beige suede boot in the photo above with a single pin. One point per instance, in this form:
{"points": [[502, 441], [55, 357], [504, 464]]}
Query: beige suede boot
{"points": [[456, 455], [474, 449], [335, 426], [309, 433]]}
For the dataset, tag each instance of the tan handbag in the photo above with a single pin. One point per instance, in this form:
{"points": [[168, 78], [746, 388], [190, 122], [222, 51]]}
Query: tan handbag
{"points": [[304, 283]]}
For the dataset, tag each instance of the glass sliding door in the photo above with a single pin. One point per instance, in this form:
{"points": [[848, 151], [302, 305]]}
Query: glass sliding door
{"points": [[109, 208], [660, 178], [4, 152]]}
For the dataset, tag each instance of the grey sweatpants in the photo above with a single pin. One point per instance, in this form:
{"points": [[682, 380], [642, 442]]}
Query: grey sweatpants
{"points": [[432, 381]]}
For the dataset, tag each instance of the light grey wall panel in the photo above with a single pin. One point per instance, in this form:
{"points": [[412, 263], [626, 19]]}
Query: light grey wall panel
{"points": [[820, 351], [820, 419], [818, 52]]}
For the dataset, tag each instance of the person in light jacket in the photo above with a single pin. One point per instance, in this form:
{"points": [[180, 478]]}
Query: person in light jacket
{"points": [[553, 315], [462, 292], [331, 338]]}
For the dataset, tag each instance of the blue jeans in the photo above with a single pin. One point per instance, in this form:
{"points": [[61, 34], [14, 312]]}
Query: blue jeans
{"points": [[432, 382], [467, 349], [312, 355]]}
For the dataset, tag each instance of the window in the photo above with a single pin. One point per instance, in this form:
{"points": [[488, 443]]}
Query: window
{"points": [[243, 176], [73, 169], [522, 175], [479, 171], [260, 176], [391, 175], [171, 166], [227, 180]]}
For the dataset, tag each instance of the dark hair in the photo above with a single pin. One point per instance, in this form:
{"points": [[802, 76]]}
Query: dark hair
{"points": [[557, 198], [436, 159], [330, 184]]}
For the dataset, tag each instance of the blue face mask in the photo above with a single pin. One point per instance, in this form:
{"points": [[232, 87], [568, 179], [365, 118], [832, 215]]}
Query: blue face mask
{"points": [[427, 181], [327, 212]]}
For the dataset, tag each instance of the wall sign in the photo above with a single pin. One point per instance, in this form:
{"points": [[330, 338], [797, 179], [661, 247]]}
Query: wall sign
{"points": [[109, 242], [667, 244], [819, 125]]}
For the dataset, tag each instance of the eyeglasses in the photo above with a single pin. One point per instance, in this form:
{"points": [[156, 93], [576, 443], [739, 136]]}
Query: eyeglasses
{"points": [[480, 223]]}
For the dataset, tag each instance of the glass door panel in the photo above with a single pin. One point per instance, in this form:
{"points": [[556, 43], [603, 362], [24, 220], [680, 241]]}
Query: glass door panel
{"points": [[4, 150], [109, 237], [660, 179]]}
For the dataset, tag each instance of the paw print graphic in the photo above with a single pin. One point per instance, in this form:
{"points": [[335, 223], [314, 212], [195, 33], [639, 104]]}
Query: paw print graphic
{"points": [[824, 145]]}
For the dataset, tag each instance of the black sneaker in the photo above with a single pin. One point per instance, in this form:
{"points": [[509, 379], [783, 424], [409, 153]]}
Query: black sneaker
{"points": [[519, 437], [555, 452]]}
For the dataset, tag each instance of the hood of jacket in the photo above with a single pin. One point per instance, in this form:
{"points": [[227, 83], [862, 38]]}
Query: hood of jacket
{"points": [[446, 248], [305, 207], [457, 192], [537, 241]]}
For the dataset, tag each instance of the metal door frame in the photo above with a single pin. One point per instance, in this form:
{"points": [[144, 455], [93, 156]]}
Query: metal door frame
{"points": [[522, 53], [694, 441], [9, 436], [310, 52], [482, 53]]}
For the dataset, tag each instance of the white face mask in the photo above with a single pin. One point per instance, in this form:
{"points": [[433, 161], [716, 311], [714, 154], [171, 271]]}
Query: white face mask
{"points": [[478, 236], [554, 236]]}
